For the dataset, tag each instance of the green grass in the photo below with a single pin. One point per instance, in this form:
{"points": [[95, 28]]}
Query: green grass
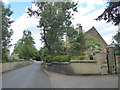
{"points": [[118, 70], [104, 66]]}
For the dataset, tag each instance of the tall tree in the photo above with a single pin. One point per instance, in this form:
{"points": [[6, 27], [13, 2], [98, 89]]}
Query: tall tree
{"points": [[76, 41], [111, 13], [55, 21], [6, 31], [25, 46]]}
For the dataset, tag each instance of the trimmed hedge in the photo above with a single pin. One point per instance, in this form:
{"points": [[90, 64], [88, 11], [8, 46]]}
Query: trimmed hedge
{"points": [[14, 59], [50, 59], [66, 58], [82, 57]]}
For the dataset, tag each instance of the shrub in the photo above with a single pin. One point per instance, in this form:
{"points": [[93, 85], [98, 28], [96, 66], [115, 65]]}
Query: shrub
{"points": [[66, 58], [50, 59], [14, 59], [82, 57], [62, 58], [10, 59], [74, 58], [58, 58]]}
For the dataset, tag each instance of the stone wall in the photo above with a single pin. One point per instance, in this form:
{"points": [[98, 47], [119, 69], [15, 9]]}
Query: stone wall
{"points": [[59, 67], [85, 67], [13, 65], [74, 67]]}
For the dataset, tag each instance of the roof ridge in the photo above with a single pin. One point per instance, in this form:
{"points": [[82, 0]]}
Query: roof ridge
{"points": [[93, 28]]}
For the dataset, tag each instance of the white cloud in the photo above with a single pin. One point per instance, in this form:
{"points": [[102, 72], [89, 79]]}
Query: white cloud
{"points": [[107, 30], [23, 23], [90, 5], [6, 1]]}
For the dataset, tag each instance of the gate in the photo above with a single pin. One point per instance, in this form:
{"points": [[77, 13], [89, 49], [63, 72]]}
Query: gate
{"points": [[111, 60]]}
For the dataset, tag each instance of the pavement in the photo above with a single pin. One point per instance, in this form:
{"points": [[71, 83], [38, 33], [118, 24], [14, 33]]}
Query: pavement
{"points": [[31, 76], [81, 81]]}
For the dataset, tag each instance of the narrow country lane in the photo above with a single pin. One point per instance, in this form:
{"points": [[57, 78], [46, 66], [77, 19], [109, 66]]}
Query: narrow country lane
{"points": [[30, 76]]}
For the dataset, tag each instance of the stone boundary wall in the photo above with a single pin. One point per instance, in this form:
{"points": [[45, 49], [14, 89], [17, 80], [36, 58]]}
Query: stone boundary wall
{"points": [[13, 65], [74, 67], [85, 67]]}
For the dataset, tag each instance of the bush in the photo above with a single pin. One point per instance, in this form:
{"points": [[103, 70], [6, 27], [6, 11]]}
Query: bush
{"points": [[58, 58], [66, 58], [14, 59], [82, 57], [50, 59], [62, 58]]}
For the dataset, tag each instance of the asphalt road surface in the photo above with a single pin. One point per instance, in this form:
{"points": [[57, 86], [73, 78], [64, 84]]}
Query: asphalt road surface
{"points": [[30, 76]]}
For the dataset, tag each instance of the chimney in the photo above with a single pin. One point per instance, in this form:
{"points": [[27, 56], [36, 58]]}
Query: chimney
{"points": [[79, 27]]}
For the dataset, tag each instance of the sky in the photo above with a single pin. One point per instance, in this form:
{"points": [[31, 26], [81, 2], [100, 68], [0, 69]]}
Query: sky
{"points": [[88, 10]]}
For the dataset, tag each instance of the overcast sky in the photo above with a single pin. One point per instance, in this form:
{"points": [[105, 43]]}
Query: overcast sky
{"points": [[88, 10]]}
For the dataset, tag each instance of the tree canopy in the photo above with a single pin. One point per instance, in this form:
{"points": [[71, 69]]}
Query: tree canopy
{"points": [[111, 13], [117, 44], [54, 21], [25, 46], [6, 31]]}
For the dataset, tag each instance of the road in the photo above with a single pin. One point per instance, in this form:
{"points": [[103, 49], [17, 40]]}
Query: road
{"points": [[30, 76]]}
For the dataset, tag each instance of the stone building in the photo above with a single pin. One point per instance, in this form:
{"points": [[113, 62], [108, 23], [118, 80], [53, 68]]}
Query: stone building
{"points": [[94, 33], [103, 45]]}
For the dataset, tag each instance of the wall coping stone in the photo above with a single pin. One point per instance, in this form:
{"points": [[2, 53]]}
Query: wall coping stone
{"points": [[83, 61], [60, 62]]}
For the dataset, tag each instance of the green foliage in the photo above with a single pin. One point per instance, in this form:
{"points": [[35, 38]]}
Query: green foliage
{"points": [[77, 42], [50, 59], [55, 21], [25, 46], [43, 52], [82, 57], [117, 44], [92, 44], [111, 13], [6, 31], [14, 59], [62, 58]]}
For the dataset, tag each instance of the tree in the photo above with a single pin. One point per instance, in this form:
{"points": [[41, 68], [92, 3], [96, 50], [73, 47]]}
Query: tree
{"points": [[111, 13], [6, 31], [25, 46], [54, 21], [117, 44], [91, 45], [76, 42]]}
